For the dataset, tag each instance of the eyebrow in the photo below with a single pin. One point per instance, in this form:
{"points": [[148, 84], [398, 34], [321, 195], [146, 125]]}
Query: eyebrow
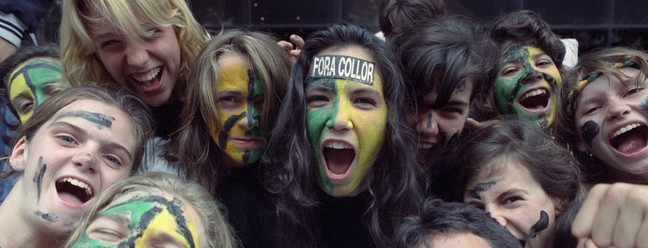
{"points": [[366, 90], [96, 118], [122, 220], [511, 192], [83, 132]]}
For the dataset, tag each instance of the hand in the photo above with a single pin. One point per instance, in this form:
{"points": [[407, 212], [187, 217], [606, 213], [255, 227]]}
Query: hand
{"points": [[6, 49], [613, 215], [293, 47]]}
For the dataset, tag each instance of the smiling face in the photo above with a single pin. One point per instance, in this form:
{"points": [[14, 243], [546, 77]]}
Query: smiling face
{"points": [[239, 102], [346, 119], [526, 82], [150, 66], [84, 148], [515, 199], [143, 219], [611, 117], [438, 125], [31, 83]]}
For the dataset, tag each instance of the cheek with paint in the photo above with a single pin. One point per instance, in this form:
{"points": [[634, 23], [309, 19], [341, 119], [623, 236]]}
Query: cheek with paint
{"points": [[237, 130], [28, 84], [644, 105], [589, 131]]}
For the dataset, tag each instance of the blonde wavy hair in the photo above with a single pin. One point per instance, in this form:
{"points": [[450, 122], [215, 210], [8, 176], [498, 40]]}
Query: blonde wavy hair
{"points": [[78, 52]]}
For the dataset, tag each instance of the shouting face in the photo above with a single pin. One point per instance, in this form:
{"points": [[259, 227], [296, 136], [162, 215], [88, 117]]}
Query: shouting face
{"points": [[347, 116], [526, 84]]}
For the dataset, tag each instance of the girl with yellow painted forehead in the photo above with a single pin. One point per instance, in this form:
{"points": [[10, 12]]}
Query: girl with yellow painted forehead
{"points": [[343, 146]]}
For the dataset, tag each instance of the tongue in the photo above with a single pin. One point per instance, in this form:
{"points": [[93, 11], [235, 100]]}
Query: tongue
{"points": [[70, 199], [338, 161], [631, 144]]}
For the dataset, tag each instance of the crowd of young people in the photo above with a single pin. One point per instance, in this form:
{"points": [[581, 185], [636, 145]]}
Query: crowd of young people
{"points": [[343, 139]]}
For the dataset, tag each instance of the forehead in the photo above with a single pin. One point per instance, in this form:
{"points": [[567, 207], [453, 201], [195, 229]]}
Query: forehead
{"points": [[358, 55], [515, 52], [607, 81], [503, 167]]}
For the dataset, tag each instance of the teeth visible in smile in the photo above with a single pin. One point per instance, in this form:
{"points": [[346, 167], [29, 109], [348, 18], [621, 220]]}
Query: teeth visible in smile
{"points": [[625, 129], [151, 74], [535, 93], [337, 145], [79, 184], [426, 145]]}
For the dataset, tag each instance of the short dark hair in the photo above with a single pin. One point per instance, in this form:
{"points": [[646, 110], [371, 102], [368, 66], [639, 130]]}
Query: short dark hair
{"points": [[438, 218], [394, 15]]}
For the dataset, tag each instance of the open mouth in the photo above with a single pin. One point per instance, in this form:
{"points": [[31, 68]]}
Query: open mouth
{"points": [[630, 138], [535, 99], [339, 157], [149, 79], [247, 144], [74, 191], [425, 145]]}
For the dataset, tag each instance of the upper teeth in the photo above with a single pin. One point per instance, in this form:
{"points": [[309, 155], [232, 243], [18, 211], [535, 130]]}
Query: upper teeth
{"points": [[337, 145], [426, 145], [148, 75], [79, 184], [625, 129], [534, 93]]}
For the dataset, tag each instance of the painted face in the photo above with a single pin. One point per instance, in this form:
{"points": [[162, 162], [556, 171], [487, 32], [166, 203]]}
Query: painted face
{"points": [[439, 126], [31, 83], [150, 66], [141, 219], [526, 82], [611, 117], [239, 102], [84, 148], [516, 200], [455, 239], [347, 121]]}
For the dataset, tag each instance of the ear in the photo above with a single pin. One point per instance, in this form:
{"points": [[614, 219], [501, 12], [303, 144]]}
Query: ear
{"points": [[18, 155]]}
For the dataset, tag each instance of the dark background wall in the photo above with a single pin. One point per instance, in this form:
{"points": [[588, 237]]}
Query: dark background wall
{"points": [[594, 23]]}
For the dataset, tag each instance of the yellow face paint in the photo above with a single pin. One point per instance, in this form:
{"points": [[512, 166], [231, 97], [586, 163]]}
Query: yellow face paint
{"points": [[31, 83], [141, 219], [347, 123], [239, 102]]}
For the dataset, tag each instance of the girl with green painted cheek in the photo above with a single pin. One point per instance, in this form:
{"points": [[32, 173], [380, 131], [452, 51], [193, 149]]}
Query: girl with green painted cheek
{"points": [[31, 83], [346, 123], [239, 97], [527, 83]]}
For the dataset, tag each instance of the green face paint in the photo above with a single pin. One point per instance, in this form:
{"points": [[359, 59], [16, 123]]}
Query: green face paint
{"points": [[526, 83], [139, 220], [239, 96], [316, 121], [31, 83]]}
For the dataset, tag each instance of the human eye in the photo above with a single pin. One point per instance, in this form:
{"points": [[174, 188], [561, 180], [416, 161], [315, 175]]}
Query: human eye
{"points": [[114, 160], [152, 33], [107, 234], [25, 107], [544, 62], [228, 101], [66, 139], [453, 110], [509, 71], [316, 99], [633, 91], [591, 109], [366, 103], [511, 200]]}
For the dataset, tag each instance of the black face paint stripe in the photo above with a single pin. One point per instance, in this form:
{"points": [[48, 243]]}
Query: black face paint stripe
{"points": [[429, 124], [539, 226], [250, 96], [644, 105], [589, 130], [481, 187], [97, 118], [229, 123], [47, 216], [38, 177]]}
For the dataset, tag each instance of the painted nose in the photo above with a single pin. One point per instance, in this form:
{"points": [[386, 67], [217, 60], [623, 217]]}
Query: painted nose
{"points": [[86, 161], [249, 120], [427, 124], [342, 120]]}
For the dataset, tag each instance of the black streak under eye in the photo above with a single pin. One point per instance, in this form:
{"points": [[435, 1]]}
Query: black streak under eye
{"points": [[589, 130], [539, 226], [644, 105], [38, 177]]}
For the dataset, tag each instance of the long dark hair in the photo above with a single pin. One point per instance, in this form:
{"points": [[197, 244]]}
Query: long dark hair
{"points": [[290, 170]]}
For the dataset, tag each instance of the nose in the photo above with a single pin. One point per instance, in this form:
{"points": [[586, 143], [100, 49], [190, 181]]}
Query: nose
{"points": [[136, 54], [617, 109], [342, 120], [532, 76], [496, 214], [86, 161], [249, 120], [428, 124]]}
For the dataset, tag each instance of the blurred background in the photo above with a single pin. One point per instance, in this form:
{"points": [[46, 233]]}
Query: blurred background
{"points": [[594, 23]]}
